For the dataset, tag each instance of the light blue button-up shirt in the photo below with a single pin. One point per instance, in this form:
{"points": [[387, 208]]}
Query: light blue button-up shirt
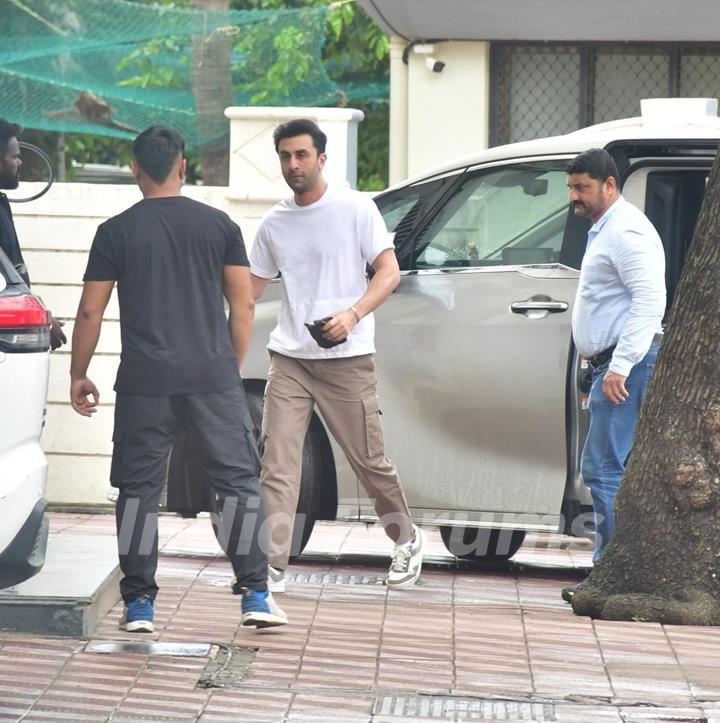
{"points": [[621, 292]]}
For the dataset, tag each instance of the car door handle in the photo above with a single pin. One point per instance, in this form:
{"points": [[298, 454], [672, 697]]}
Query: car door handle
{"points": [[520, 307], [538, 307]]}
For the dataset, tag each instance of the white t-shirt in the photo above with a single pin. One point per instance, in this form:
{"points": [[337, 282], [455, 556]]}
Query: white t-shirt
{"points": [[321, 251]]}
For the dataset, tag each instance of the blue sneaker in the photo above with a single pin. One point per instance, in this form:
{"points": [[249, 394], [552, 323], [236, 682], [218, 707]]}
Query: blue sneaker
{"points": [[261, 611], [138, 616]]}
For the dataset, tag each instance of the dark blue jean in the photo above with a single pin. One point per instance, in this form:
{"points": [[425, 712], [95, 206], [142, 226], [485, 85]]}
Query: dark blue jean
{"points": [[609, 441]]}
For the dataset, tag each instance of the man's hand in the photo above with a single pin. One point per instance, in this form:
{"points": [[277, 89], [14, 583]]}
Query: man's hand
{"points": [[57, 335], [614, 387], [80, 390], [340, 325]]}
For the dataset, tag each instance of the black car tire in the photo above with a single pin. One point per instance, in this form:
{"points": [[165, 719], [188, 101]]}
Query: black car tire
{"points": [[482, 545], [310, 481]]}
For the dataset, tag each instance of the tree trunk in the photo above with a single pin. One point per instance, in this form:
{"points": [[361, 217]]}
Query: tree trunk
{"points": [[213, 91], [663, 563]]}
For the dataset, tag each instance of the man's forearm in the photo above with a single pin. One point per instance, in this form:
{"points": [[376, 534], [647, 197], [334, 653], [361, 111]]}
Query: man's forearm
{"points": [[382, 284], [240, 322], [84, 340], [259, 285]]}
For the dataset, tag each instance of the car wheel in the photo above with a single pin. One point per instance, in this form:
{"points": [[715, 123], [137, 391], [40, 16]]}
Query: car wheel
{"points": [[310, 480], [482, 545]]}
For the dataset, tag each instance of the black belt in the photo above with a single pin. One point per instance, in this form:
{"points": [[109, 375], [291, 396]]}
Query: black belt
{"points": [[604, 356], [601, 357]]}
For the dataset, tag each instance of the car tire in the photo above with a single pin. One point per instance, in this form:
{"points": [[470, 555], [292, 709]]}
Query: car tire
{"points": [[310, 481], [482, 545]]}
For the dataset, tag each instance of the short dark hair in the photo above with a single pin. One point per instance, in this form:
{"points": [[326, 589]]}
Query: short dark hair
{"points": [[597, 163], [7, 131], [157, 149], [300, 127]]}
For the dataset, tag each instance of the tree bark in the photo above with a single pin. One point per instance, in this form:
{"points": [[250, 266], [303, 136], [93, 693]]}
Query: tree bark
{"points": [[213, 92], [663, 563]]}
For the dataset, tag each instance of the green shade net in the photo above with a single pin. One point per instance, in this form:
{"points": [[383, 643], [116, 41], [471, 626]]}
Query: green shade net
{"points": [[113, 67]]}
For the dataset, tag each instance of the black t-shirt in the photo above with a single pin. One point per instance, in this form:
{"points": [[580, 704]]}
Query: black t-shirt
{"points": [[9, 240], [167, 256]]}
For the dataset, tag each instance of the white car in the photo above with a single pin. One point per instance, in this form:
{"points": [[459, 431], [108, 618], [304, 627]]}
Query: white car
{"points": [[24, 369]]}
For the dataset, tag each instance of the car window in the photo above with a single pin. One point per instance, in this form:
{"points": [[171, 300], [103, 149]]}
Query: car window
{"points": [[403, 208], [513, 214]]}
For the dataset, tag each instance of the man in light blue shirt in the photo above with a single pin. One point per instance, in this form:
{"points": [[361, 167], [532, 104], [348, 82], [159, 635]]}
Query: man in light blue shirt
{"points": [[616, 325]]}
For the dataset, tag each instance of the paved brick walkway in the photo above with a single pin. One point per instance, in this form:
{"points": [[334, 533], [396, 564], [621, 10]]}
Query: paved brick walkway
{"points": [[463, 645]]}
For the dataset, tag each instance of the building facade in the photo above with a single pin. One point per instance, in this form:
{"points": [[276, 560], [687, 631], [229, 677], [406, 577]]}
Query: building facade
{"points": [[466, 75]]}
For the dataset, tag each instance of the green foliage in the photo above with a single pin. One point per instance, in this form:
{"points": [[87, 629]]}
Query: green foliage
{"points": [[289, 46], [146, 73], [355, 56], [83, 148], [373, 147]]}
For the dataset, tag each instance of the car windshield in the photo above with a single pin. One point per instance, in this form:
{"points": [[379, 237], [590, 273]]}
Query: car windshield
{"points": [[514, 214]]}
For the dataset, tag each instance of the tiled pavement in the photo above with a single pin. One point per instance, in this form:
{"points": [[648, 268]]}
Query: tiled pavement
{"points": [[463, 645]]}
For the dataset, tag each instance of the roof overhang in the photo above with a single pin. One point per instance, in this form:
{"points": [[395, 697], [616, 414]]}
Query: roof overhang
{"points": [[548, 20]]}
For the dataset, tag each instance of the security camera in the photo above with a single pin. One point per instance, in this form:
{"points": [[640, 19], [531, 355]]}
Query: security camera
{"points": [[435, 65]]}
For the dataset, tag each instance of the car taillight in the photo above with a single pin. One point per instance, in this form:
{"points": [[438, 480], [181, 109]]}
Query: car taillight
{"points": [[24, 324]]}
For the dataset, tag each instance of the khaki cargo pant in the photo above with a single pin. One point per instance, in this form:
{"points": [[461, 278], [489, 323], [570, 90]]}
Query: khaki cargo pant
{"points": [[345, 392]]}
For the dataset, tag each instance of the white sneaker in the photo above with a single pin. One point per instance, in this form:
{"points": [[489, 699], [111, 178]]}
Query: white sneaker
{"points": [[406, 562], [276, 579]]}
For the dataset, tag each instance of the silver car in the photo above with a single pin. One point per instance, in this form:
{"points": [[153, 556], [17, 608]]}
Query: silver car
{"points": [[483, 393]]}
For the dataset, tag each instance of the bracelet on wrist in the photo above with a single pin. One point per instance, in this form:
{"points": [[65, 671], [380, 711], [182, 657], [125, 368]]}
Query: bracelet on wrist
{"points": [[355, 311]]}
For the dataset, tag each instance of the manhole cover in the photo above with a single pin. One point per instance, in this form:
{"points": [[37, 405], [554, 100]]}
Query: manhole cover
{"points": [[456, 708], [182, 650]]}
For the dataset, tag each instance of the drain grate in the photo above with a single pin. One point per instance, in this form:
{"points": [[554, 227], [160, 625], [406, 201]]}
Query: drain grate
{"points": [[120, 647], [228, 668], [333, 578], [456, 708], [317, 579]]}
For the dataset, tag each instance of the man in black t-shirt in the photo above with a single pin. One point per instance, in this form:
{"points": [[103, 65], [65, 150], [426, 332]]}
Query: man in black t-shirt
{"points": [[174, 260], [10, 164]]}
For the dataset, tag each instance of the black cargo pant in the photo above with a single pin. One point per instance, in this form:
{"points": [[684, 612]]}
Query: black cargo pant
{"points": [[145, 428]]}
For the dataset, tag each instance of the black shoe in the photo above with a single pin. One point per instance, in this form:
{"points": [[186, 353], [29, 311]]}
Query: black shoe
{"points": [[568, 592]]}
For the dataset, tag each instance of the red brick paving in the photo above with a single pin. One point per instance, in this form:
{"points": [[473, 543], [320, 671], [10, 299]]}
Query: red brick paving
{"points": [[491, 635]]}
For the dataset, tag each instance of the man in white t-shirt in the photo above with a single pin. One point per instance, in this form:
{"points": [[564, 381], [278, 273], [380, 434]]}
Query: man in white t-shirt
{"points": [[321, 240]]}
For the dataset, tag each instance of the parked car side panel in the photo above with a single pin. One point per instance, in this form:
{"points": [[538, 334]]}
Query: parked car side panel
{"points": [[23, 389], [24, 373], [474, 393]]}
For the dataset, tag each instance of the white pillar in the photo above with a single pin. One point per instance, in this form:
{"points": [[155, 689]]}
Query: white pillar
{"points": [[254, 168], [448, 111], [398, 111]]}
